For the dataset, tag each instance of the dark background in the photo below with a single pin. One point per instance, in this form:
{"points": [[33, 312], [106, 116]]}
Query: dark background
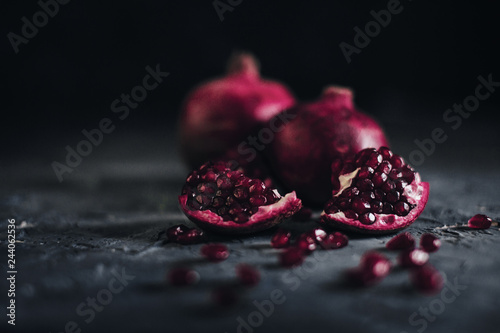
{"points": [[66, 77]]}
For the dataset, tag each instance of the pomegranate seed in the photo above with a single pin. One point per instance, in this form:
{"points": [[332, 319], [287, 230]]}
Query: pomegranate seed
{"points": [[318, 234], [281, 239], [413, 258], [306, 242], [430, 243], [215, 252], [402, 241], [334, 240], [479, 221], [225, 296], [372, 269], [192, 236], [367, 218], [175, 231], [293, 256], [248, 275], [427, 279], [182, 276], [360, 206]]}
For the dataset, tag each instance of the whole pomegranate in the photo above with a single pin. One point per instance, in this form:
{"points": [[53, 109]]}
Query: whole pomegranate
{"points": [[376, 192], [220, 114], [219, 197], [319, 132]]}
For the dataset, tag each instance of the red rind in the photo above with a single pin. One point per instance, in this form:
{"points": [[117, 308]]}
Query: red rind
{"points": [[265, 218], [381, 226]]}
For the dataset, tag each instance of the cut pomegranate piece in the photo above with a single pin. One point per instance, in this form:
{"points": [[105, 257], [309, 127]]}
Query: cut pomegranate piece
{"points": [[430, 243], [292, 256], [369, 202], [427, 279], [182, 276], [248, 275], [479, 221], [281, 239], [403, 241], [215, 252], [413, 258], [221, 198], [184, 235], [334, 240], [314, 136], [221, 113]]}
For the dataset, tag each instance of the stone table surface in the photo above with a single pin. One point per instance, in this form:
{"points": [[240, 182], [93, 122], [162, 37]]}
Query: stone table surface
{"points": [[102, 229]]}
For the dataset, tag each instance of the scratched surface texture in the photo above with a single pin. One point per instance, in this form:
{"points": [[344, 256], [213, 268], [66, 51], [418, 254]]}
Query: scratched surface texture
{"points": [[103, 228]]}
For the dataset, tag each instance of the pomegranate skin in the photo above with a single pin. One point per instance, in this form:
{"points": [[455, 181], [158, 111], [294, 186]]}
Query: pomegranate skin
{"points": [[317, 134], [220, 114]]}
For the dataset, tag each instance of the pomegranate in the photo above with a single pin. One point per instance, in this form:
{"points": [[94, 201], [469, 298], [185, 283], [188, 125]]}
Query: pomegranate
{"points": [[215, 252], [479, 221], [427, 279], [429, 243], [221, 113], [220, 198], [374, 192], [317, 134], [373, 268], [248, 275], [403, 241]]}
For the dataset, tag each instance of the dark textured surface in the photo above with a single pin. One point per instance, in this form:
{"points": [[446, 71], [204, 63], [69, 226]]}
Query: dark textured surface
{"points": [[109, 215]]}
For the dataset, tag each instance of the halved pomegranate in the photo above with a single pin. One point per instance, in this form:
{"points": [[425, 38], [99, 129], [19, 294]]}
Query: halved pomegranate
{"points": [[221, 198], [374, 192]]}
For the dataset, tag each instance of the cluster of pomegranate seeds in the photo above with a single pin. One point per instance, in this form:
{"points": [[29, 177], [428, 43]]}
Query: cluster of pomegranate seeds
{"points": [[184, 235], [479, 221], [403, 241], [182, 276], [373, 268], [281, 238], [335, 240], [427, 279], [378, 187], [215, 252], [227, 192], [413, 258], [248, 275], [429, 243]]}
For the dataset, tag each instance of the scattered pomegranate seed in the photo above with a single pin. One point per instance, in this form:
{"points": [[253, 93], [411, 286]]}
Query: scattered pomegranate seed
{"points": [[215, 252], [479, 221], [306, 242], [334, 240], [317, 234], [430, 243], [402, 241], [413, 258], [372, 269], [175, 231], [182, 276], [192, 236], [293, 256], [281, 239], [427, 279], [225, 296], [248, 275]]}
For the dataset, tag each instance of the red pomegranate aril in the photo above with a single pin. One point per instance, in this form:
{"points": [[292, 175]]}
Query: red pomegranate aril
{"points": [[365, 172], [215, 252], [376, 207], [427, 279], [403, 241], [351, 215], [364, 184], [413, 258], [334, 241], [388, 186], [397, 161], [368, 196], [387, 208], [174, 231], [293, 256], [429, 243], [386, 153], [248, 275], [393, 197], [281, 239], [376, 264], [368, 218], [192, 236], [306, 242], [379, 179], [384, 168], [479, 221], [401, 208], [363, 155], [360, 206], [182, 276]]}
